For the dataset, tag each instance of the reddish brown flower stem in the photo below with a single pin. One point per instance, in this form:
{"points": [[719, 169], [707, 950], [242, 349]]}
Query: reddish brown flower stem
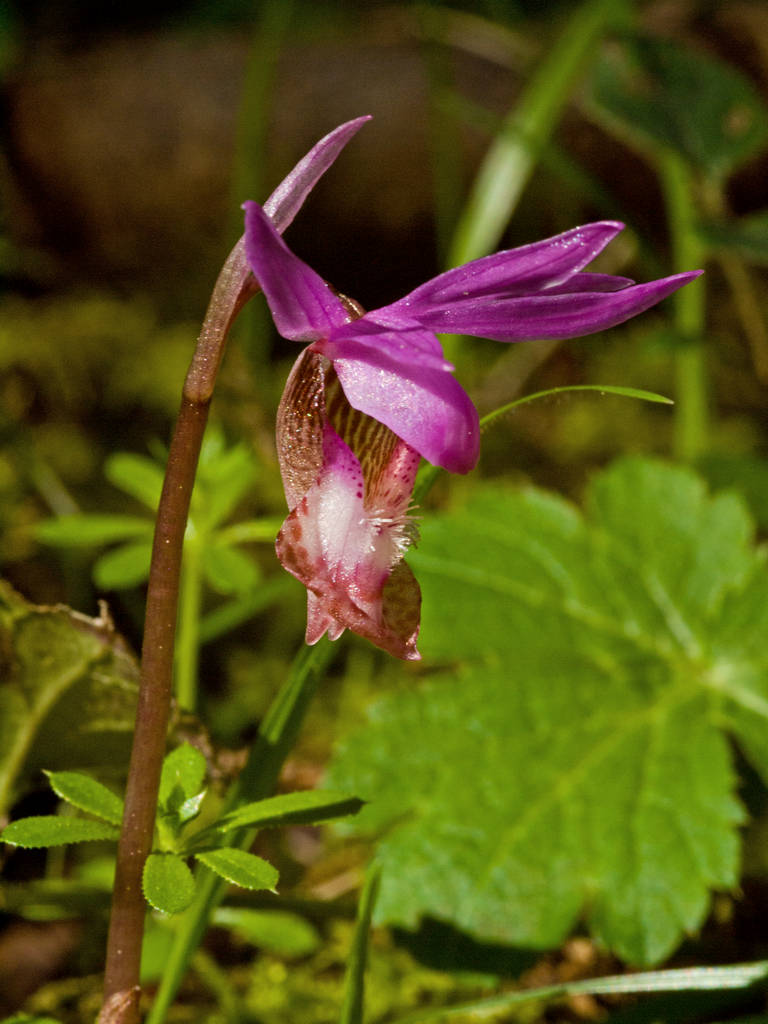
{"points": [[235, 285]]}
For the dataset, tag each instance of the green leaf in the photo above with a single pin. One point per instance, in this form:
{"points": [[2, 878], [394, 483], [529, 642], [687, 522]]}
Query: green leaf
{"points": [[87, 795], [126, 566], [191, 807], [228, 570], [704, 109], [68, 692], [681, 979], [167, 882], [52, 830], [181, 791], [182, 777], [603, 389], [352, 1010], [583, 765], [137, 475], [307, 807], [746, 474], [240, 868], [276, 931], [87, 531]]}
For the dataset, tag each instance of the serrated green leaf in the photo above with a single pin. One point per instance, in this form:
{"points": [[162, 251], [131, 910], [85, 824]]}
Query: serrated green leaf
{"points": [[693, 102], [125, 566], [68, 694], [240, 868], [87, 531], [87, 795], [228, 570], [277, 931], [582, 759], [167, 882], [137, 475], [182, 776], [52, 830], [307, 807]]}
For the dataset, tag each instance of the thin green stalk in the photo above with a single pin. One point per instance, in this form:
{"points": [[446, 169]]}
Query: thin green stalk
{"points": [[691, 424], [443, 136], [276, 737], [353, 1007], [524, 135], [429, 473], [678, 979], [188, 639], [740, 278], [511, 159]]}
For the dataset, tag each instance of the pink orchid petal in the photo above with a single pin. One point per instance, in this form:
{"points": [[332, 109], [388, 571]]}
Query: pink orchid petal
{"points": [[395, 383], [344, 554], [554, 314], [320, 622], [589, 282], [403, 340], [514, 271], [302, 305], [288, 198]]}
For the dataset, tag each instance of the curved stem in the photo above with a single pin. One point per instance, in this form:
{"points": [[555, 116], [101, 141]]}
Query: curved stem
{"points": [[234, 287], [190, 604], [691, 432]]}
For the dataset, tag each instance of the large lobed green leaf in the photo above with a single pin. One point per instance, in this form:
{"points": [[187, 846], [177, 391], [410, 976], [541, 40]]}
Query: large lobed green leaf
{"points": [[576, 762], [67, 692]]}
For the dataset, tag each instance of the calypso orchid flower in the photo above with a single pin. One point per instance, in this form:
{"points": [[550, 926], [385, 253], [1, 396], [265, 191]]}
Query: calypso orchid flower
{"points": [[372, 393]]}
